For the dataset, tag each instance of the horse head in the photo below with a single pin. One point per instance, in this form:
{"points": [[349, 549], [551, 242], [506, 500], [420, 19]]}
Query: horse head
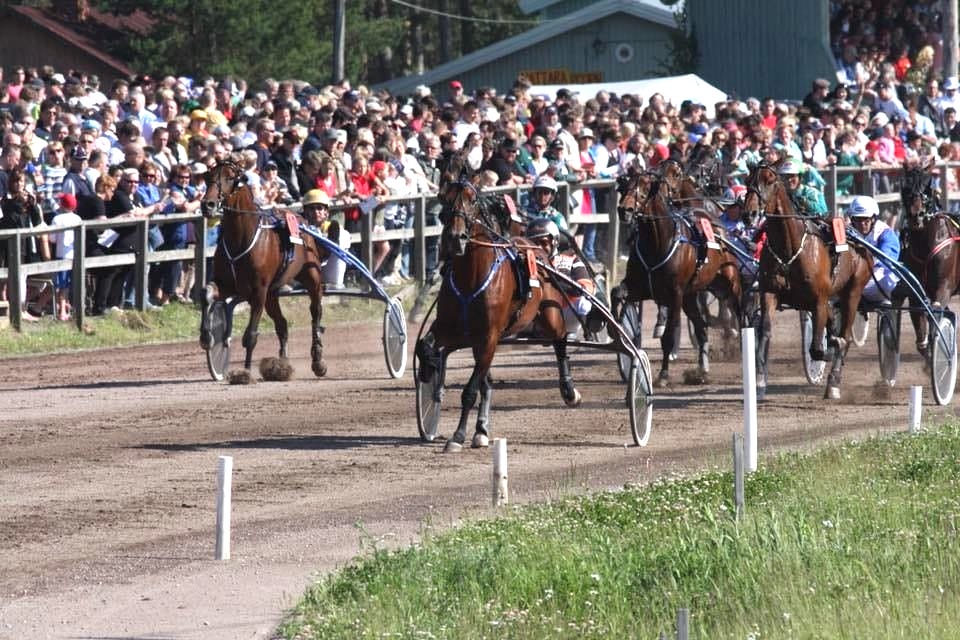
{"points": [[633, 187], [704, 170], [222, 182], [765, 194], [920, 200], [461, 210]]}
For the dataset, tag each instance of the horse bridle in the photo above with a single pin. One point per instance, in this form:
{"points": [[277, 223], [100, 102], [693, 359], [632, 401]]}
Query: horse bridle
{"points": [[219, 206], [456, 209], [920, 186]]}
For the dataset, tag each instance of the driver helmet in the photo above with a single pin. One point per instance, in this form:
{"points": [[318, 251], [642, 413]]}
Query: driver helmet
{"points": [[541, 228], [863, 207], [546, 182], [789, 168]]}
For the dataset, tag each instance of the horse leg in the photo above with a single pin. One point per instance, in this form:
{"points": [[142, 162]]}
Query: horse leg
{"points": [[841, 344], [691, 306], [210, 293], [663, 317], [279, 322], [483, 358], [316, 345], [820, 315], [428, 356], [669, 339], [767, 306], [568, 391], [481, 437], [250, 335]]}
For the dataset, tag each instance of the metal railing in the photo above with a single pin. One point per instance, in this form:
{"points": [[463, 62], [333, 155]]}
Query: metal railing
{"points": [[420, 204]]}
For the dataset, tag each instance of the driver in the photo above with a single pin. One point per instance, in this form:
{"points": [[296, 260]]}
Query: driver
{"points": [[805, 198], [546, 235], [864, 215], [541, 205], [316, 211]]}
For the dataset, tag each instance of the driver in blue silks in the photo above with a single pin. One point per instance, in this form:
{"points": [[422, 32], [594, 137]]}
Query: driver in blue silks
{"points": [[864, 215]]}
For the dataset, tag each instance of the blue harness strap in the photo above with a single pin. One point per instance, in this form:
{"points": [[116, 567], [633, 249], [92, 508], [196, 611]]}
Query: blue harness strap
{"points": [[465, 300], [347, 257]]}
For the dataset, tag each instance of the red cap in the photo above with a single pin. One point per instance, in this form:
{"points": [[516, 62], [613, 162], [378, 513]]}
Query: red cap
{"points": [[67, 201], [455, 84], [379, 166]]}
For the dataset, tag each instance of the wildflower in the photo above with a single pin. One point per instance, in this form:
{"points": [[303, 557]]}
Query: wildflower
{"points": [[595, 577], [828, 524]]}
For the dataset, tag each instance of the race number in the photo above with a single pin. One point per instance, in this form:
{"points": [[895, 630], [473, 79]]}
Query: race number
{"points": [[839, 235]]}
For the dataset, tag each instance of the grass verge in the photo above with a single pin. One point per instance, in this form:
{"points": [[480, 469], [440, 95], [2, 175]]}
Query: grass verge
{"points": [[171, 323], [856, 541]]}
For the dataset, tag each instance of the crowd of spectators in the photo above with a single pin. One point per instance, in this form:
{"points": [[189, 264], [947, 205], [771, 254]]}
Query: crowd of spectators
{"points": [[140, 147]]}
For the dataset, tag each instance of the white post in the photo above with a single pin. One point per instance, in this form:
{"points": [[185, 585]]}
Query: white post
{"points": [[748, 353], [501, 493], [683, 624], [738, 475], [916, 406], [224, 491]]}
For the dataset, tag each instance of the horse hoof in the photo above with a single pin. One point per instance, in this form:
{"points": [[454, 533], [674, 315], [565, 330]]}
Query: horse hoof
{"points": [[320, 369], [832, 393], [480, 441], [672, 357], [452, 447], [575, 400]]}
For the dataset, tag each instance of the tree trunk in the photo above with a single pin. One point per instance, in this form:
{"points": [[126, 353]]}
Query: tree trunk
{"points": [[339, 36], [950, 53], [444, 32]]}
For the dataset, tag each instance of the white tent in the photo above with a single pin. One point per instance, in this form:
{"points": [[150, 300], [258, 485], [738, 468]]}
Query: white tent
{"points": [[674, 89]]}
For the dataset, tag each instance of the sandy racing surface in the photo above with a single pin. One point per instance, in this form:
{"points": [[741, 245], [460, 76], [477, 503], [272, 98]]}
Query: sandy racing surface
{"points": [[108, 467]]}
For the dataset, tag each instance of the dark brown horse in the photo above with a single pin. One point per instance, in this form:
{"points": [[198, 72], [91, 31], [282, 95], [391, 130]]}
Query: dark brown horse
{"points": [[480, 301], [254, 259], [797, 269], [931, 244], [670, 260]]}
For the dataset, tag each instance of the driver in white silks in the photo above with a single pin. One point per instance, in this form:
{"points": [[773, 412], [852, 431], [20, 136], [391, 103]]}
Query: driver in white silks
{"points": [[864, 215], [545, 233]]}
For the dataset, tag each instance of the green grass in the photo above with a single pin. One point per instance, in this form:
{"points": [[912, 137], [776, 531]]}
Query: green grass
{"points": [[172, 323], [856, 541]]}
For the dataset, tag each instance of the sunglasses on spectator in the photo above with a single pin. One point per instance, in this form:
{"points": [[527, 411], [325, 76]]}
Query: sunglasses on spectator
{"points": [[183, 176], [149, 175]]}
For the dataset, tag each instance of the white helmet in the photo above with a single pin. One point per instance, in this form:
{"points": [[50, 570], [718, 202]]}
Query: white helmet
{"points": [[546, 182], [542, 227], [863, 207], [789, 168]]}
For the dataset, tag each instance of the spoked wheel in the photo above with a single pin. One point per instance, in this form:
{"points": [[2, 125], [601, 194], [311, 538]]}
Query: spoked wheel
{"points": [[888, 344], [395, 338], [943, 360], [219, 320], [429, 401], [640, 399], [812, 369], [861, 329], [629, 319]]}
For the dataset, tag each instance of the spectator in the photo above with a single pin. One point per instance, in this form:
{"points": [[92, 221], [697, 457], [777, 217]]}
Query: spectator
{"points": [[63, 250], [20, 210]]}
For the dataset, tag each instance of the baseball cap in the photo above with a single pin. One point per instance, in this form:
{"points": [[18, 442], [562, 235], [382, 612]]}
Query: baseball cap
{"points": [[951, 83], [586, 132], [557, 143], [270, 166], [198, 168], [78, 153], [198, 114], [67, 201], [455, 84], [330, 133]]}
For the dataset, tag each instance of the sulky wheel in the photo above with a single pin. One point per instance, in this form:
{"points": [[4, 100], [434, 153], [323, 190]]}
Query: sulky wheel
{"points": [[395, 338], [629, 319], [888, 344], [219, 319], [943, 360], [429, 401], [812, 369], [640, 399]]}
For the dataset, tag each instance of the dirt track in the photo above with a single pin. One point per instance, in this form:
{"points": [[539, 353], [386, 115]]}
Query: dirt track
{"points": [[108, 468]]}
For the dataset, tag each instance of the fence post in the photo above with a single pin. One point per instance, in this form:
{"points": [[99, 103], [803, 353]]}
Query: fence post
{"points": [[870, 187], [613, 237], [749, 366], [683, 624], [15, 294], [199, 258], [831, 191], [916, 407], [501, 491], [945, 185], [78, 288], [738, 475], [140, 266], [420, 239], [224, 499], [366, 242], [563, 195]]}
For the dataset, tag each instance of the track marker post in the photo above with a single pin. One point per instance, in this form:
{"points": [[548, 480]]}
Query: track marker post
{"points": [[224, 497], [748, 345], [683, 624], [501, 491], [738, 475], [916, 408]]}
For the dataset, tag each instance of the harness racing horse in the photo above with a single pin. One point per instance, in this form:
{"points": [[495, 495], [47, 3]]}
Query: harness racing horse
{"points": [[484, 297], [796, 268], [672, 257], [254, 258], [930, 245]]}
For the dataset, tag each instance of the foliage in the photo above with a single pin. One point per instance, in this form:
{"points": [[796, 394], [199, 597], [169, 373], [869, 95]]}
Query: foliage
{"points": [[856, 541], [255, 39], [684, 51]]}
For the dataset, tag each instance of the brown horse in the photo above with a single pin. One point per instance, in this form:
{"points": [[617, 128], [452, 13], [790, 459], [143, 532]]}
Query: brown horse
{"points": [[670, 261], [930, 244], [254, 259], [480, 301], [797, 269]]}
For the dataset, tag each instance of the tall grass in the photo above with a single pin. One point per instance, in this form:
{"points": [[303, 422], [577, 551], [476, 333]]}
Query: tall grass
{"points": [[856, 541]]}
